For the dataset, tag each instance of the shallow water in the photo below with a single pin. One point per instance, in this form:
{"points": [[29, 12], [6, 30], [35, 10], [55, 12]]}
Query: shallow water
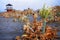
{"points": [[9, 29]]}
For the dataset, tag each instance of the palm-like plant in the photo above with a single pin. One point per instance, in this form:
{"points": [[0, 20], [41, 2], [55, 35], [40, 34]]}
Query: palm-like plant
{"points": [[45, 14]]}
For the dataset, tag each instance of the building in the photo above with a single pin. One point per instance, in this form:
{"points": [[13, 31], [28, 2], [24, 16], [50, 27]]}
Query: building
{"points": [[9, 7]]}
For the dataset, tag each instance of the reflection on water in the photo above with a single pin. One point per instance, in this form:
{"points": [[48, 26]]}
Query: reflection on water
{"points": [[10, 29]]}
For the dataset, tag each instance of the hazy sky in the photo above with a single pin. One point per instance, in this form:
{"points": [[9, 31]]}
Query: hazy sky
{"points": [[24, 4]]}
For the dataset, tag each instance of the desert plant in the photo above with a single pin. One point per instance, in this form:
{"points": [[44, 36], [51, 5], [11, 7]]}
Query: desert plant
{"points": [[45, 13]]}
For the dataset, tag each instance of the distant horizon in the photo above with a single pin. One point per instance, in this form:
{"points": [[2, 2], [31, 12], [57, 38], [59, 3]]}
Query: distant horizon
{"points": [[24, 4]]}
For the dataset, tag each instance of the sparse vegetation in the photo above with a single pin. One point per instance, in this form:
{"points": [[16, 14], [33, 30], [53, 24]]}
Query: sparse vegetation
{"points": [[35, 30]]}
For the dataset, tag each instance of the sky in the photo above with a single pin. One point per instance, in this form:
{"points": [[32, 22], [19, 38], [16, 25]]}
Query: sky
{"points": [[24, 4]]}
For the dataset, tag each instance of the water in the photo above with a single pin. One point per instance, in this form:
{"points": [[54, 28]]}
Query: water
{"points": [[9, 29]]}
